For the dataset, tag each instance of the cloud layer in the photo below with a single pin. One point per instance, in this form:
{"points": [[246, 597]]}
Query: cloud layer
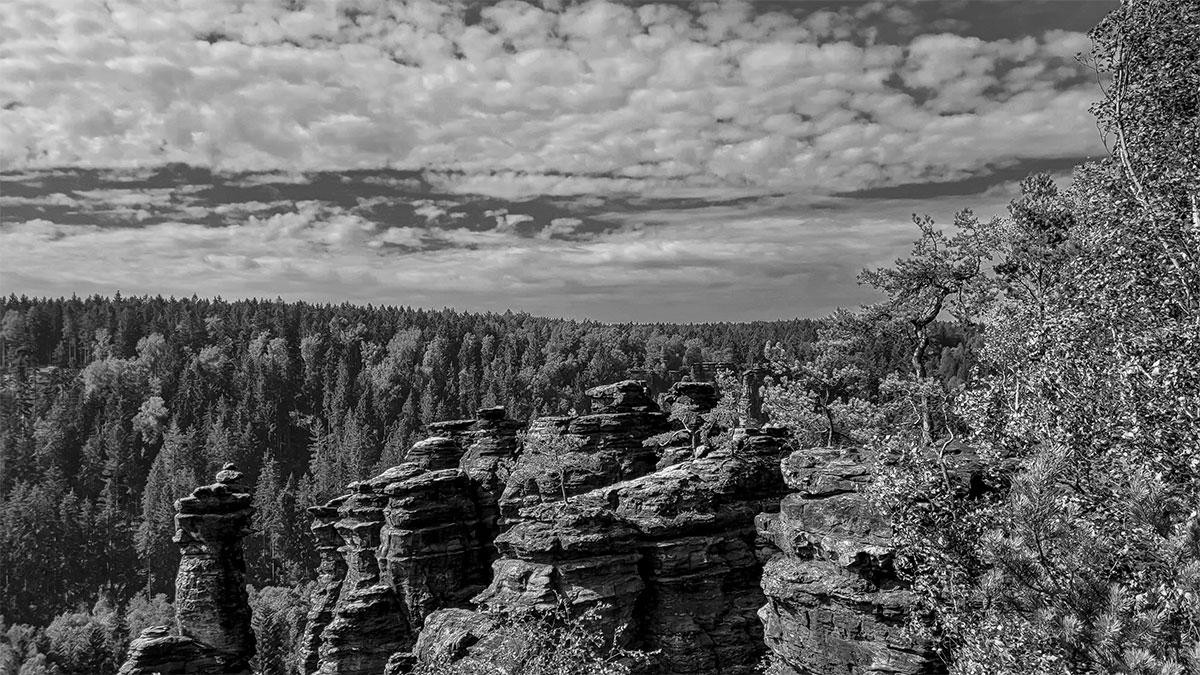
{"points": [[516, 99], [618, 160]]}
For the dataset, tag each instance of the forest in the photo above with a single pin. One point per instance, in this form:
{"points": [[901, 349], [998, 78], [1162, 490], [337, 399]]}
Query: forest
{"points": [[1062, 342], [116, 407]]}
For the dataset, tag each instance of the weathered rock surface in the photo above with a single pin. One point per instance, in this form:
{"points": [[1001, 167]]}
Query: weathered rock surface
{"points": [[610, 438], [488, 441], [437, 452], [665, 561], [430, 551], [368, 625], [687, 400], [399, 546], [212, 611], [159, 651], [697, 541], [331, 571], [834, 604]]}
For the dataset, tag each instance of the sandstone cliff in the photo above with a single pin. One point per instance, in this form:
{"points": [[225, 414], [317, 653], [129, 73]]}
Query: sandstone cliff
{"points": [[622, 416], [665, 562], [835, 605], [416, 538], [706, 562]]}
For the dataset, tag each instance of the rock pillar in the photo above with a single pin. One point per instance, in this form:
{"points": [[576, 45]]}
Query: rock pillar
{"points": [[212, 633], [211, 605]]}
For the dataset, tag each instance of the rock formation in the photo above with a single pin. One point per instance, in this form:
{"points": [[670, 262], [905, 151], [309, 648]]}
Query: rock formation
{"points": [[610, 436], [367, 624], [212, 611], [488, 442], [409, 544], [687, 400], [703, 562], [331, 571], [665, 561], [834, 604]]}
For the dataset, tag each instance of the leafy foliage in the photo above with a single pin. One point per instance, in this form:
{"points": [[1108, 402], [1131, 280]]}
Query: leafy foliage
{"points": [[1085, 557]]}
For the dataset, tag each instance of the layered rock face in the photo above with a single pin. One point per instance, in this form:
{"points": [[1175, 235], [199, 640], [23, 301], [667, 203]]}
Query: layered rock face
{"points": [[409, 544], [664, 561], [834, 604], [331, 571], [488, 441], [610, 437], [212, 611], [367, 625]]}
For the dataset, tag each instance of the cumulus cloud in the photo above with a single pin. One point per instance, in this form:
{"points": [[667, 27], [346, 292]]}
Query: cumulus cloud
{"points": [[596, 96]]}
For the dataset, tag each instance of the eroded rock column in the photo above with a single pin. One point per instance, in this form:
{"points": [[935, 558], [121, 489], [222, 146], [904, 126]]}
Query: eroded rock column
{"points": [[331, 571], [368, 624], [212, 610]]}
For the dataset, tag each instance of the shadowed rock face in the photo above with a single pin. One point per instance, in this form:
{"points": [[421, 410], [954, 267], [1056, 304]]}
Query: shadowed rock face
{"points": [[368, 625], [834, 604], [331, 571], [430, 551], [212, 611], [488, 442], [409, 544]]}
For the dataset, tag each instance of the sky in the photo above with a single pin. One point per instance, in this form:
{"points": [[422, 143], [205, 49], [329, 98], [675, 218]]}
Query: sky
{"points": [[595, 159]]}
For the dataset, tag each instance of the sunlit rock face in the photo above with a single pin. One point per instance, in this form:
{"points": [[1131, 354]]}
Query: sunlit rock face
{"points": [[430, 551], [664, 562], [212, 610], [611, 437], [835, 605]]}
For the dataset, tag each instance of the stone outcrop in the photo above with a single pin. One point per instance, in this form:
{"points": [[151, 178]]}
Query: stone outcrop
{"points": [[488, 441], [706, 562], [430, 551], [331, 571], [159, 651], [835, 606], [610, 444], [212, 611], [687, 400], [406, 542], [367, 625], [664, 561]]}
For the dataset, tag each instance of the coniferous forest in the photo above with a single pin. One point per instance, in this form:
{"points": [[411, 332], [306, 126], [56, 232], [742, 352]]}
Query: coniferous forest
{"points": [[116, 407]]}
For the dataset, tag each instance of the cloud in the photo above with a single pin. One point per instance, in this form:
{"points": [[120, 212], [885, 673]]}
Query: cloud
{"points": [[768, 258], [595, 97]]}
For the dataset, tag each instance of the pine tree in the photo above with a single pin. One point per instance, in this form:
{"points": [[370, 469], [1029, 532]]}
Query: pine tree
{"points": [[170, 479], [268, 523]]}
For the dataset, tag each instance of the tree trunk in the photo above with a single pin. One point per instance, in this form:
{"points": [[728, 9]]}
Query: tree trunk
{"points": [[918, 363]]}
